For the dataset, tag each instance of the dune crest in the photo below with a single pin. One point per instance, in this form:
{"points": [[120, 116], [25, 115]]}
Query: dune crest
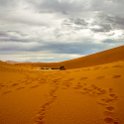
{"points": [[108, 56]]}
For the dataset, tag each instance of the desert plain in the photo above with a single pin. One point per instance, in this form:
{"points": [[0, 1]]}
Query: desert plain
{"points": [[89, 91]]}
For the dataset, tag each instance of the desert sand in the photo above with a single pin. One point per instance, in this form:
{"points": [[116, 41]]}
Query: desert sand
{"points": [[89, 91]]}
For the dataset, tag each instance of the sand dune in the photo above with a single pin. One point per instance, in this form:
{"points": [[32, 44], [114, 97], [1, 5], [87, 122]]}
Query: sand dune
{"points": [[103, 57], [91, 94]]}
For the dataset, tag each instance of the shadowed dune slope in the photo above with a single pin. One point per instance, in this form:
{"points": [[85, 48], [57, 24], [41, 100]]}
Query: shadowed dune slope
{"points": [[108, 56]]}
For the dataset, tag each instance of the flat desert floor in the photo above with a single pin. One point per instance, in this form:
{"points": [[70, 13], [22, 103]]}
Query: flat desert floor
{"points": [[90, 95]]}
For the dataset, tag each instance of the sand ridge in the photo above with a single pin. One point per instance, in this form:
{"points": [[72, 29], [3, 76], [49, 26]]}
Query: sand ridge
{"points": [[103, 57]]}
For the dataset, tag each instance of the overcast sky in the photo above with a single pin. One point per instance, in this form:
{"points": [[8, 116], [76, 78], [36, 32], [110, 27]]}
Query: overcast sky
{"points": [[57, 30]]}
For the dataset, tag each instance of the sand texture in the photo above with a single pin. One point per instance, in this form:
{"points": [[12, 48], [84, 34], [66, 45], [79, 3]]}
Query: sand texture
{"points": [[91, 94]]}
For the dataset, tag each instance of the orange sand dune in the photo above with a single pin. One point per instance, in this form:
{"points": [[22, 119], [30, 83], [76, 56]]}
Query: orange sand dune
{"points": [[89, 95], [107, 56]]}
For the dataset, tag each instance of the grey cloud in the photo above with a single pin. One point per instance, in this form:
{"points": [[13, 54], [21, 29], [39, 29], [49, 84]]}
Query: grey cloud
{"points": [[75, 23], [16, 37], [103, 28], [107, 23], [7, 3], [81, 48], [22, 25], [3, 34], [114, 42], [18, 47], [58, 6], [115, 21]]}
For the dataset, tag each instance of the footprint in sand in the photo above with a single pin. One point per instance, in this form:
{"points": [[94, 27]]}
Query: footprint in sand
{"points": [[91, 90], [7, 92], [78, 86], [40, 116], [20, 88], [66, 85], [2, 86], [108, 113], [109, 120], [116, 122], [110, 108], [114, 96], [116, 76], [35, 86], [14, 84], [95, 91], [39, 119], [94, 86], [110, 90], [107, 102]]}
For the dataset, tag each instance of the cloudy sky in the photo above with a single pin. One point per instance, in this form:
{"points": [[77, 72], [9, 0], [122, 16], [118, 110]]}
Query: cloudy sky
{"points": [[57, 30]]}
